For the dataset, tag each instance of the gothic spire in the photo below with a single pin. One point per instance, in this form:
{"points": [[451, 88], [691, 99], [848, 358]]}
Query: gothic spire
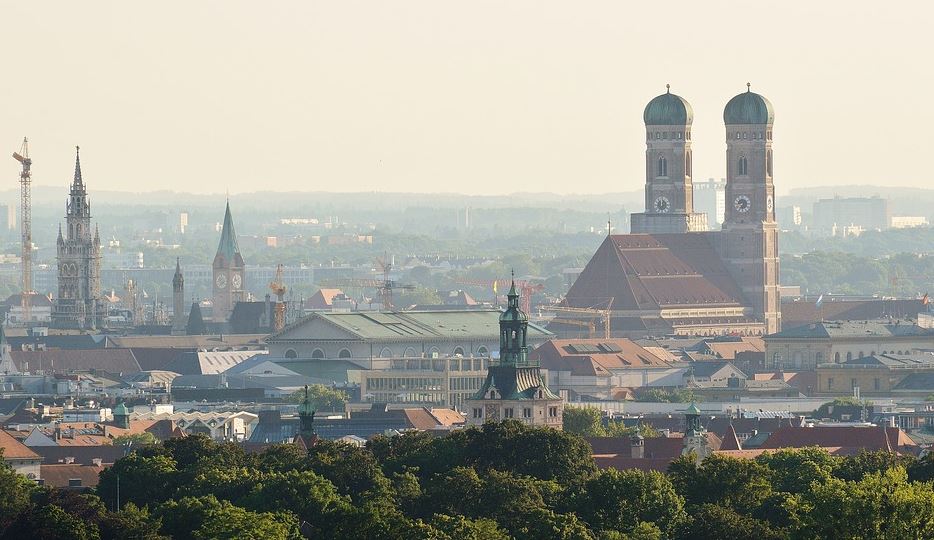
{"points": [[78, 184], [228, 247]]}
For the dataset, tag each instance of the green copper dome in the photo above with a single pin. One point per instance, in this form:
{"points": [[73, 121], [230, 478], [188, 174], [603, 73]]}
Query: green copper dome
{"points": [[748, 108], [668, 110], [693, 409]]}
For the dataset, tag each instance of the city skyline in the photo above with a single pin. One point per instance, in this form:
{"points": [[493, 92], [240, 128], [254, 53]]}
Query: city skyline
{"points": [[528, 97]]}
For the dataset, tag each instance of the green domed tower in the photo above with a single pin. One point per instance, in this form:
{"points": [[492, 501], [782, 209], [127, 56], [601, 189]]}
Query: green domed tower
{"points": [[513, 330], [514, 386], [669, 191]]}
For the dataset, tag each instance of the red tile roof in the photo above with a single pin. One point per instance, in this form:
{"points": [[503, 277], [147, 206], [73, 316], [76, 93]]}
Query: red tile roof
{"points": [[730, 440], [59, 474], [595, 357], [856, 437], [68, 360], [648, 272], [13, 449]]}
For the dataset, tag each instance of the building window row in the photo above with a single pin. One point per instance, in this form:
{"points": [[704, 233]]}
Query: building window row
{"points": [[665, 135], [754, 135]]}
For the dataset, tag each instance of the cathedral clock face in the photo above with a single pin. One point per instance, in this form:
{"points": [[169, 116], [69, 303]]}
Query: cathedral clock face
{"points": [[221, 281], [742, 203], [662, 205], [236, 281], [769, 203]]}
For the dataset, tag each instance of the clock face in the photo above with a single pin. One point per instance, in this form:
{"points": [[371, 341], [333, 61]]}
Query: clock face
{"points": [[662, 205], [236, 281], [769, 203], [221, 281], [742, 203]]}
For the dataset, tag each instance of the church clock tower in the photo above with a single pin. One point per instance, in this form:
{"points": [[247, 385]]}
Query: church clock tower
{"points": [[229, 286], [749, 240], [669, 192]]}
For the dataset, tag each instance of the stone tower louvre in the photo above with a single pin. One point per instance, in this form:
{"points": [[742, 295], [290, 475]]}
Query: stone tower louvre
{"points": [[228, 271], [749, 239], [178, 300], [669, 193], [514, 386], [79, 303]]}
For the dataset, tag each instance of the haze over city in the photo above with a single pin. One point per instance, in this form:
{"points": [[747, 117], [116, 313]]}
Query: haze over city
{"points": [[433, 270], [478, 98]]}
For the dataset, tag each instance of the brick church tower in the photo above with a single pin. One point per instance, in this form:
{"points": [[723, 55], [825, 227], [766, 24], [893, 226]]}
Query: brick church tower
{"points": [[228, 271], [748, 242], [669, 191]]}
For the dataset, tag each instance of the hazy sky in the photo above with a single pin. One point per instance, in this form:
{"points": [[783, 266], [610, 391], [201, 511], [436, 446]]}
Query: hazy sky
{"points": [[474, 97]]}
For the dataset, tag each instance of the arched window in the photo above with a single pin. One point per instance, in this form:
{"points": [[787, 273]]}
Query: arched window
{"points": [[861, 354], [849, 356], [836, 357], [290, 353], [434, 351], [768, 162], [687, 164], [743, 166], [458, 351], [410, 353], [662, 166], [818, 358], [317, 354], [385, 353], [345, 353], [482, 352]]}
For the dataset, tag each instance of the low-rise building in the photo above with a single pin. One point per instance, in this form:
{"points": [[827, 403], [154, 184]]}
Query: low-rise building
{"points": [[328, 345], [878, 374], [806, 347], [602, 368]]}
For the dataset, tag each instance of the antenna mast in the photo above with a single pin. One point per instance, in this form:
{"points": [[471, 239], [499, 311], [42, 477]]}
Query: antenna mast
{"points": [[25, 180]]}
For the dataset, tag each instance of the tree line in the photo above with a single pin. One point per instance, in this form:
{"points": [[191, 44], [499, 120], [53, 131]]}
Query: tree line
{"points": [[500, 481]]}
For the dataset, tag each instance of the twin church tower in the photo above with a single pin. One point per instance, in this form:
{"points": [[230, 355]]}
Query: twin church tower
{"points": [[672, 275]]}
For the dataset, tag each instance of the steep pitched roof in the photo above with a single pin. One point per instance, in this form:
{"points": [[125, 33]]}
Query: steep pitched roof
{"points": [[228, 249], [13, 449], [650, 272], [868, 438], [64, 360], [730, 441], [515, 383], [322, 299]]}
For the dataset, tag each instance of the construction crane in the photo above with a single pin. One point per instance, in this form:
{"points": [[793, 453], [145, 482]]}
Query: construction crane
{"points": [[526, 289], [385, 286], [278, 288], [25, 180], [588, 314]]}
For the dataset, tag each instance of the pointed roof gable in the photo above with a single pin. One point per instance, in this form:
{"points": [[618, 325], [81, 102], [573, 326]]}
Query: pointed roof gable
{"points": [[730, 440], [13, 449], [228, 247]]}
